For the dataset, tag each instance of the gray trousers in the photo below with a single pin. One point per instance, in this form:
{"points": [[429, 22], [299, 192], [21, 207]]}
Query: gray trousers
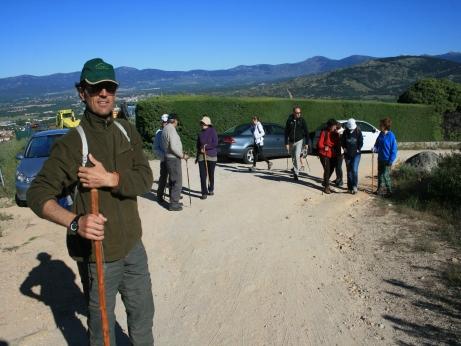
{"points": [[296, 149], [162, 180], [129, 276], [173, 167]]}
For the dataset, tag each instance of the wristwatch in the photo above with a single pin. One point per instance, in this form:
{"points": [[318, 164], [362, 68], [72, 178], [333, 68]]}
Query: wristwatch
{"points": [[73, 227]]}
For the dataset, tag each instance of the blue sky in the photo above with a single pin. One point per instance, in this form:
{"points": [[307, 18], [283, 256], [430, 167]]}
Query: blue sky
{"points": [[42, 37]]}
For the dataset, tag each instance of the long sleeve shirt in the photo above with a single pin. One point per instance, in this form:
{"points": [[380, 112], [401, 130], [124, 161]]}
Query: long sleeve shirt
{"points": [[258, 133], [386, 146], [208, 138], [171, 142]]}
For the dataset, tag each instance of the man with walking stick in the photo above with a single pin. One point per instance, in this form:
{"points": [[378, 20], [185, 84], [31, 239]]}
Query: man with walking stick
{"points": [[106, 183], [171, 143]]}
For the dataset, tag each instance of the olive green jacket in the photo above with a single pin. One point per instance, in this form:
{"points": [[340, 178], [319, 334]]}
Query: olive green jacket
{"points": [[108, 145]]}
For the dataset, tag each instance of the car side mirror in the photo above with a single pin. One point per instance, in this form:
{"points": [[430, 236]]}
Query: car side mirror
{"points": [[19, 156], [374, 131]]}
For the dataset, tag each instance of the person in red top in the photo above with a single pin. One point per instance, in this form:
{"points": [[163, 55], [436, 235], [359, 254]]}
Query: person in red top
{"points": [[328, 148]]}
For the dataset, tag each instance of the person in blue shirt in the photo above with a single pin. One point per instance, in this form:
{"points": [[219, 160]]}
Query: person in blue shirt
{"points": [[386, 147]]}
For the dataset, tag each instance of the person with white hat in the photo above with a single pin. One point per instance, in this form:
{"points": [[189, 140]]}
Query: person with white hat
{"points": [[160, 154], [352, 142], [207, 155]]}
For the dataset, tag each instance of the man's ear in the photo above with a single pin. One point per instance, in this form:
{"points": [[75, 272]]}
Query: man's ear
{"points": [[81, 94]]}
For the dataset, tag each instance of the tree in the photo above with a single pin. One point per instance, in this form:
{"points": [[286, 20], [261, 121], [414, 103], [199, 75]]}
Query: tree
{"points": [[444, 94]]}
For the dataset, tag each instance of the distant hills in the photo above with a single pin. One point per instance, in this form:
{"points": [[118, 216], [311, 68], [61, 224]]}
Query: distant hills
{"points": [[382, 79], [175, 81], [349, 77]]}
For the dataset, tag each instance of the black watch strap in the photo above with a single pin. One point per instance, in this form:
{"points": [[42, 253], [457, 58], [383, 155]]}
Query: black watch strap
{"points": [[73, 226]]}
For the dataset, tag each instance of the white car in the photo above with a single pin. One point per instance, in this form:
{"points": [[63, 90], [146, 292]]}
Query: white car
{"points": [[369, 132]]}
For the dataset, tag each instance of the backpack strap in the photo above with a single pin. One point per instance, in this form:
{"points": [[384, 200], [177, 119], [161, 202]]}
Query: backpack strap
{"points": [[122, 129], [81, 132]]}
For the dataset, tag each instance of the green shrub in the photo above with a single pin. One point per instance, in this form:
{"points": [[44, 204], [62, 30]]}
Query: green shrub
{"points": [[410, 122], [438, 192], [8, 165], [445, 184]]}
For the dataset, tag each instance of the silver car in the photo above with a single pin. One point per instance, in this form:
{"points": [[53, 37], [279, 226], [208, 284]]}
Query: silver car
{"points": [[237, 142], [31, 161]]}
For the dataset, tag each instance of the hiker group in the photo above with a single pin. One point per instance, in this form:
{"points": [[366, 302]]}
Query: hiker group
{"points": [[335, 145], [107, 181]]}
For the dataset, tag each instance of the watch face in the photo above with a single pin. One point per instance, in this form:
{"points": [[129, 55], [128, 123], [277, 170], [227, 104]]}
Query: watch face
{"points": [[74, 226]]}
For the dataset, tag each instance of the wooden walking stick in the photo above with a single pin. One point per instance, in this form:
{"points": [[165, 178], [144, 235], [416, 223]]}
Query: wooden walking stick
{"points": [[100, 272], [206, 166]]}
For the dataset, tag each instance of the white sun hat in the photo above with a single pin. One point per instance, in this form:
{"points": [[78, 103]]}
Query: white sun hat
{"points": [[351, 125]]}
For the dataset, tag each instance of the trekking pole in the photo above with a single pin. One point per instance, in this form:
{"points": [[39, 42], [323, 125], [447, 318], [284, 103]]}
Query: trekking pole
{"points": [[100, 271], [372, 171], [288, 152], [307, 164], [206, 166], [188, 183]]}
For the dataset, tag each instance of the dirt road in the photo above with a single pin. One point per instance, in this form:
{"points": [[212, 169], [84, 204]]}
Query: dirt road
{"points": [[259, 263]]}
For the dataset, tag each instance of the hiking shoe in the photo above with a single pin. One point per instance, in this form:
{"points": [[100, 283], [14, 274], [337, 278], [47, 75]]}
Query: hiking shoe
{"points": [[327, 190], [203, 197], [339, 183], [210, 193], [175, 207], [269, 165]]}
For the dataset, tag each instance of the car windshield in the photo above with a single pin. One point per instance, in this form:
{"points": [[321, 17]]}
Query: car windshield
{"points": [[243, 129], [40, 146]]}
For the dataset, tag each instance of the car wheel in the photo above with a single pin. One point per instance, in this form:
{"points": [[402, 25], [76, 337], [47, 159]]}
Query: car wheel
{"points": [[19, 202], [248, 155]]}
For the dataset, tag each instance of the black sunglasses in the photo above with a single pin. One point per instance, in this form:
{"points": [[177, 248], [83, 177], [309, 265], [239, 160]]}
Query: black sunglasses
{"points": [[110, 88]]}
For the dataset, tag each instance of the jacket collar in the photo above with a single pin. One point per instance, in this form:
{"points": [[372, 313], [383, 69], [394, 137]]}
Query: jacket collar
{"points": [[96, 122]]}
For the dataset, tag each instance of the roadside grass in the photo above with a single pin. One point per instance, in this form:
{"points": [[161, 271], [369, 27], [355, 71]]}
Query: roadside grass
{"points": [[435, 198], [8, 164], [436, 194]]}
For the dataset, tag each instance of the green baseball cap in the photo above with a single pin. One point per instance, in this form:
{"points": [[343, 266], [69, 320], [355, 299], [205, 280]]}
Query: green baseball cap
{"points": [[97, 71]]}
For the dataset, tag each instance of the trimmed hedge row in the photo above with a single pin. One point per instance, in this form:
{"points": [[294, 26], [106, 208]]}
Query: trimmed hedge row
{"points": [[413, 123]]}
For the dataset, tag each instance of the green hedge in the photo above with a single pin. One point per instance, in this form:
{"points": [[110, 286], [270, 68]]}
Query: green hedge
{"points": [[410, 122]]}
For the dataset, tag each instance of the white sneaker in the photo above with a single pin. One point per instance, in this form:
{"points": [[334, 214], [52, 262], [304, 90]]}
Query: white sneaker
{"points": [[354, 190]]}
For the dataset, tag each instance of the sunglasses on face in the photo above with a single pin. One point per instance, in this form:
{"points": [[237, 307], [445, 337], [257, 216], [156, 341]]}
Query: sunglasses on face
{"points": [[298, 113], [95, 89]]}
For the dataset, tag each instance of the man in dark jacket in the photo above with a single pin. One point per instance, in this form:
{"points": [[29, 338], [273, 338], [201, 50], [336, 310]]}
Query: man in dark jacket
{"points": [[120, 171], [296, 135]]}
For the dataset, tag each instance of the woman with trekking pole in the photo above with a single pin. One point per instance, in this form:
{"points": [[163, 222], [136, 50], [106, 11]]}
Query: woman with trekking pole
{"points": [[207, 156]]}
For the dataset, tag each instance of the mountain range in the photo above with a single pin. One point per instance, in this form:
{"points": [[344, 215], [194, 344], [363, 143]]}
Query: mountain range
{"points": [[377, 79], [241, 77]]}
